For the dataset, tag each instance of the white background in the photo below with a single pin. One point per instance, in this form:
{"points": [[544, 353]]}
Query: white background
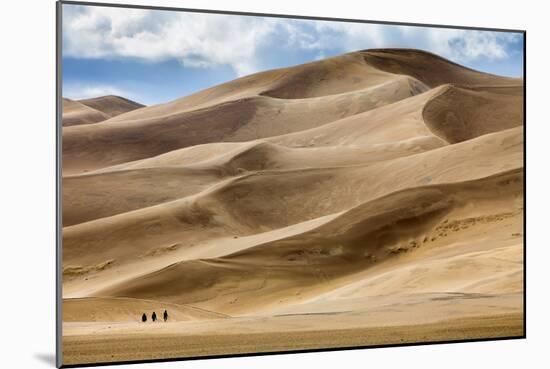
{"points": [[27, 216]]}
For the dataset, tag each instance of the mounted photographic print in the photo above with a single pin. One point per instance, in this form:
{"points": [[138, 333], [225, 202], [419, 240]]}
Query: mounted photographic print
{"points": [[236, 184]]}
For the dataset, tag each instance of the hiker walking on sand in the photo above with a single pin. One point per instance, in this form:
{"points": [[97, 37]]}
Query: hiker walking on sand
{"points": [[154, 317], [165, 315], [144, 318]]}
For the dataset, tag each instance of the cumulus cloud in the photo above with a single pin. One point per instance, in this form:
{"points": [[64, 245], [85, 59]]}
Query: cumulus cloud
{"points": [[210, 40], [466, 45], [455, 44], [197, 40]]}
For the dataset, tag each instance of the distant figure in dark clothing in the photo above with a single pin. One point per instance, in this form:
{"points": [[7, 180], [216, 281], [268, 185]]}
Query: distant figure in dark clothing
{"points": [[165, 315], [154, 317], [144, 318]]}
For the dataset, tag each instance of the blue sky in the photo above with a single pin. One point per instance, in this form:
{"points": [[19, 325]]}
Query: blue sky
{"points": [[154, 56]]}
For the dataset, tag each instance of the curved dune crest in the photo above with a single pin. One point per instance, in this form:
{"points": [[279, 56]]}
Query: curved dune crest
{"points": [[274, 103], [431, 69], [295, 196], [459, 114], [95, 110], [93, 147], [111, 105], [332, 76], [339, 74], [365, 235], [93, 196], [75, 113]]}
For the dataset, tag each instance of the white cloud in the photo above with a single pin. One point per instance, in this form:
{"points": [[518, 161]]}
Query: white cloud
{"points": [[196, 40], [210, 40], [467, 45], [86, 91], [455, 44]]}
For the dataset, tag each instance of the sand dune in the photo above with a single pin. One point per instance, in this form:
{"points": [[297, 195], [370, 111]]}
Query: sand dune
{"points": [[368, 187], [432, 69], [448, 113], [75, 113], [319, 191], [341, 74], [123, 191], [88, 111], [355, 142], [458, 114], [111, 105], [89, 147], [291, 269]]}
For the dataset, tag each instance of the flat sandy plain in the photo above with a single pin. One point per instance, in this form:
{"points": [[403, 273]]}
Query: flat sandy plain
{"points": [[371, 198]]}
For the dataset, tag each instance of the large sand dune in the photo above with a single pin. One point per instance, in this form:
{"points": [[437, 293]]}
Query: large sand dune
{"points": [[361, 193]]}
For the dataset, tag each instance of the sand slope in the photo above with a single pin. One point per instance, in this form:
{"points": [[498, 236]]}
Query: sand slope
{"points": [[88, 111], [293, 267], [432, 69], [368, 187], [296, 195], [111, 105], [89, 147], [74, 113]]}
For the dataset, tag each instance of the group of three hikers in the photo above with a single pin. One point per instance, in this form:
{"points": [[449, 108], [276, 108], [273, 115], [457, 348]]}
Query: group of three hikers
{"points": [[154, 316]]}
